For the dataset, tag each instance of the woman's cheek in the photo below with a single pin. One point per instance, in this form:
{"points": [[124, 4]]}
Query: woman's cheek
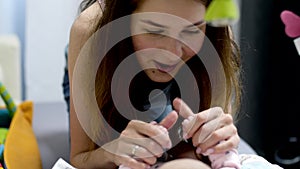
{"points": [[190, 52], [193, 47], [141, 42]]}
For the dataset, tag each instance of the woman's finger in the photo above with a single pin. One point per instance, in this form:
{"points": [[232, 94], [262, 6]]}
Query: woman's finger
{"points": [[228, 144], [210, 130], [143, 131], [130, 155], [149, 145], [129, 162], [153, 137], [170, 120], [204, 132], [223, 128], [182, 108], [140, 153], [120, 156], [193, 124], [220, 140]]}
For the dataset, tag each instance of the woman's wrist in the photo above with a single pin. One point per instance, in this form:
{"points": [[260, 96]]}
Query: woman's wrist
{"points": [[98, 158], [107, 158]]}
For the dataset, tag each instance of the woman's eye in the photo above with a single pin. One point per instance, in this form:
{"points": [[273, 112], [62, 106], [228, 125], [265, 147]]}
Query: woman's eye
{"points": [[159, 32], [194, 31]]}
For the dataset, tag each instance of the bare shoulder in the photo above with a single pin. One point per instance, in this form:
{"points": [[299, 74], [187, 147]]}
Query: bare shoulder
{"points": [[82, 29], [86, 22]]}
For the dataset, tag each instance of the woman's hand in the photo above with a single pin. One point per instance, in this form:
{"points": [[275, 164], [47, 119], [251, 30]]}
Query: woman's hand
{"points": [[140, 144], [212, 131]]}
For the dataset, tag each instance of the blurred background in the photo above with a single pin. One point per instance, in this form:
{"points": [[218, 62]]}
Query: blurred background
{"points": [[271, 82], [33, 37], [42, 28], [36, 32]]}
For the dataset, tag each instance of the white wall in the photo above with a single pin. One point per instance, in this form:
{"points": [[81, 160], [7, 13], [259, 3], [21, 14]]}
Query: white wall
{"points": [[12, 18], [6, 16], [48, 24]]}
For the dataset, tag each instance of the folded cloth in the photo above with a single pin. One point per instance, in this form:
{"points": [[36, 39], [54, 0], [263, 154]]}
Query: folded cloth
{"points": [[251, 161]]}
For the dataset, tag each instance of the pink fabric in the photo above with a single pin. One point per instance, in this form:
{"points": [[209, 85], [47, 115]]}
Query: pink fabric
{"points": [[229, 160]]}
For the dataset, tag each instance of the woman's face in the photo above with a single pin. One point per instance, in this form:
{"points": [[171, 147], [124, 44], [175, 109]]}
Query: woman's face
{"points": [[166, 34]]}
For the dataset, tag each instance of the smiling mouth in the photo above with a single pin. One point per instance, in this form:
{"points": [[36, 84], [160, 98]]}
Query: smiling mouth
{"points": [[165, 68]]}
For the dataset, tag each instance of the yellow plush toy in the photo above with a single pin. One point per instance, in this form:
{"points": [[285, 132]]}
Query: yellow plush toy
{"points": [[20, 145]]}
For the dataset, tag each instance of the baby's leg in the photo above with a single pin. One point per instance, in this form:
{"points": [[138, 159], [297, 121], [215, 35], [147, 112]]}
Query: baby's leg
{"points": [[229, 160]]}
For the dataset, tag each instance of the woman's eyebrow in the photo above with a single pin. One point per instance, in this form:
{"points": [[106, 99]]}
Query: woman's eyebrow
{"points": [[153, 23], [201, 22]]}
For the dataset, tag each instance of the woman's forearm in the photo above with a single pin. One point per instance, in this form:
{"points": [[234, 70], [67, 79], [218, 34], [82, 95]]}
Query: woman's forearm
{"points": [[98, 158]]}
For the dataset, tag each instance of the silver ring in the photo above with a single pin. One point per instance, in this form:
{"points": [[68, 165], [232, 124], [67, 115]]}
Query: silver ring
{"points": [[134, 149]]}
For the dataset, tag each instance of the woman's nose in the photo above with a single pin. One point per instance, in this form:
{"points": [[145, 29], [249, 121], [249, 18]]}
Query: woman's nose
{"points": [[174, 46]]}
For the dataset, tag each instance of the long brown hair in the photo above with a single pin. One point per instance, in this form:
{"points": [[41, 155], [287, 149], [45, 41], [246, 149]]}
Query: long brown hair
{"points": [[220, 37], [85, 4]]}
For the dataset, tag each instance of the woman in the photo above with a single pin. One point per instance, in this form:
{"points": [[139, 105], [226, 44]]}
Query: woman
{"points": [[166, 37]]}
